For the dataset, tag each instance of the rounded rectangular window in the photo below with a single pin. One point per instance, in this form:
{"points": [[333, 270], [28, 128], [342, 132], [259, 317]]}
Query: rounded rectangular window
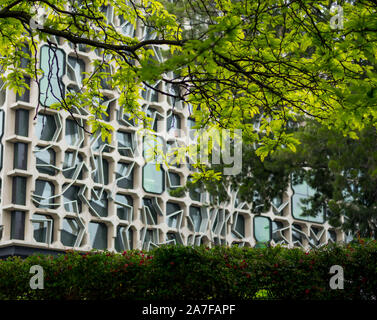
{"points": [[276, 234], [46, 127], [70, 232], [19, 190], [124, 238], [20, 156], [98, 235], [151, 211], [43, 228], [52, 88], [73, 133], [72, 163], [125, 175], [153, 178], [71, 199], [262, 229], [124, 207], [125, 144], [303, 191], [44, 194], [99, 203], [296, 234], [45, 160], [239, 225], [22, 122], [173, 214], [25, 96], [173, 124], [101, 174], [196, 218], [17, 225], [75, 70]]}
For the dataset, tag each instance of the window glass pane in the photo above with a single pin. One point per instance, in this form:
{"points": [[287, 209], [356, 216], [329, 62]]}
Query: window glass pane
{"points": [[71, 200], [128, 29], [76, 69], [125, 147], [19, 190], [124, 239], [2, 93], [25, 59], [71, 163], [151, 236], [153, 147], [100, 206], [101, 175], [173, 237], [196, 217], [123, 176], [22, 122], [175, 91], [173, 122], [175, 180], [99, 144], [46, 127], [20, 156], [17, 225], [98, 235], [150, 211], [277, 202], [1, 123], [195, 194], [43, 228], [70, 232], [262, 229], [45, 191], [52, 88], [124, 211], [298, 212], [303, 191], [106, 80], [276, 225], [240, 225], [72, 132], [154, 116], [153, 179], [124, 119], [25, 96], [296, 236], [172, 220], [45, 161]]}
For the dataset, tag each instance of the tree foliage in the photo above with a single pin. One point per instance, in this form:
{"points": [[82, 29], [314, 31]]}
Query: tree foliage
{"points": [[196, 273], [237, 62], [341, 170]]}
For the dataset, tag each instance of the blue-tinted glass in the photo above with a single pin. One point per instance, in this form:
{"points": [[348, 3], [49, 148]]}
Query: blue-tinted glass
{"points": [[69, 233], [98, 235], [46, 127], [52, 88], [262, 229]]}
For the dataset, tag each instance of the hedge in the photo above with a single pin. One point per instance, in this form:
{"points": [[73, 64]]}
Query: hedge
{"points": [[196, 273]]}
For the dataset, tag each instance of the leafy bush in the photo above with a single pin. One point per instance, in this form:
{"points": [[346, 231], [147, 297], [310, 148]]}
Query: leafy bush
{"points": [[196, 273]]}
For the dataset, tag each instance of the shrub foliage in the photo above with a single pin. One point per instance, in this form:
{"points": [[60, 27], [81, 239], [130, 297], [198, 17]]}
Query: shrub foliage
{"points": [[196, 273]]}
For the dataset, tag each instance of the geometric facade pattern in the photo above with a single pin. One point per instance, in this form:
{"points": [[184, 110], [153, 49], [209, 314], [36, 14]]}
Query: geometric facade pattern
{"points": [[62, 188]]}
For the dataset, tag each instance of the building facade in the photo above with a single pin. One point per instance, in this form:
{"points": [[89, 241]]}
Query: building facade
{"points": [[62, 188]]}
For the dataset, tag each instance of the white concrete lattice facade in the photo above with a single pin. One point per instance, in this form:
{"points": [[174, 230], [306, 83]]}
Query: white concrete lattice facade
{"points": [[64, 189]]}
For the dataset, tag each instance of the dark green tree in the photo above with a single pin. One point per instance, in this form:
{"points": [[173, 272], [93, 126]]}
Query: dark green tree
{"points": [[343, 171]]}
